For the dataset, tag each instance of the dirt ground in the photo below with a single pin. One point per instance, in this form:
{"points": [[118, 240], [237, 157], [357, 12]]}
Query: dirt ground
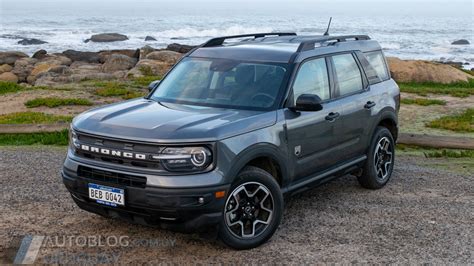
{"points": [[424, 215], [414, 117]]}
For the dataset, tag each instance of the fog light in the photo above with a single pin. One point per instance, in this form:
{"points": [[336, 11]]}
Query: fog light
{"points": [[201, 200]]}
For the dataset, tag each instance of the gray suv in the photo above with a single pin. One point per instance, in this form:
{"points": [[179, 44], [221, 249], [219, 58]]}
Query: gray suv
{"points": [[237, 126]]}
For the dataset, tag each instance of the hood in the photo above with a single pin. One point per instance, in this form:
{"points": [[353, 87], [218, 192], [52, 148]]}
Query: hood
{"points": [[151, 121]]}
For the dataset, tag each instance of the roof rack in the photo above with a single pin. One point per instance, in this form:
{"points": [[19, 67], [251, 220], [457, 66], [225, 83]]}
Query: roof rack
{"points": [[309, 44], [220, 40]]}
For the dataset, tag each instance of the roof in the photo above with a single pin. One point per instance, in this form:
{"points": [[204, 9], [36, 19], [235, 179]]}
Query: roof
{"points": [[282, 48]]}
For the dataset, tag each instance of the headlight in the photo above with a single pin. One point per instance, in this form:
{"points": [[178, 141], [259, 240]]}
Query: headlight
{"points": [[73, 140], [185, 159]]}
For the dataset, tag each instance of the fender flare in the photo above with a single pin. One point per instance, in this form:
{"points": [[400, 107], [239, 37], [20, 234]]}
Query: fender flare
{"points": [[260, 150]]}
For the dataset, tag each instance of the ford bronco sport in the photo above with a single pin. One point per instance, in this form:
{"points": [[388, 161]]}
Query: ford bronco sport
{"points": [[239, 124]]}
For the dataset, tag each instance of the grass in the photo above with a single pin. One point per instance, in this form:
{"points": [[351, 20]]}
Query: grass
{"points": [[146, 70], [32, 118], [7, 87], [145, 81], [463, 122], [113, 89], [46, 138], [456, 89], [56, 101], [423, 101], [434, 152]]}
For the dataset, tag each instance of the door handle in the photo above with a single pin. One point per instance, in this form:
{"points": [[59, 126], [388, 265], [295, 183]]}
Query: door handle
{"points": [[369, 105], [332, 116]]}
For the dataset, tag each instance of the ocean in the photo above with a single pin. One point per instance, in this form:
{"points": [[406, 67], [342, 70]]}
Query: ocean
{"points": [[406, 33]]}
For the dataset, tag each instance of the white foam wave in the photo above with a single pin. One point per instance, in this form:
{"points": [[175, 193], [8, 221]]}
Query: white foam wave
{"points": [[189, 32]]}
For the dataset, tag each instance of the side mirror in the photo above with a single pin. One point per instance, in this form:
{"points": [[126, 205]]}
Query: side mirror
{"points": [[308, 103], [153, 84]]}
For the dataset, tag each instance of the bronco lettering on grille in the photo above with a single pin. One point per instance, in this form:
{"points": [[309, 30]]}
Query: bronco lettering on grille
{"points": [[117, 153]]}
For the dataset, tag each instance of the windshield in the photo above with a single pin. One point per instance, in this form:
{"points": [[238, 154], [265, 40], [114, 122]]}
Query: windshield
{"points": [[223, 83]]}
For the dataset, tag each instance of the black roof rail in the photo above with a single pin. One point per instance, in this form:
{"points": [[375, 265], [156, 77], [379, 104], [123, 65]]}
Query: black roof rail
{"points": [[309, 44], [220, 40]]}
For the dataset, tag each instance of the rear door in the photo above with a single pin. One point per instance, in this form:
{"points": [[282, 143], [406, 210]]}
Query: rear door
{"points": [[353, 96]]}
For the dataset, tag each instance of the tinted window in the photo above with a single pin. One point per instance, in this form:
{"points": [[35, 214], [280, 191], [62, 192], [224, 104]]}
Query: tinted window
{"points": [[312, 78], [377, 61], [348, 74], [222, 83]]}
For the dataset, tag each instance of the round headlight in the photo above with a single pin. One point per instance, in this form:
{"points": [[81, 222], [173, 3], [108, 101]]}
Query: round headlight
{"points": [[198, 157]]}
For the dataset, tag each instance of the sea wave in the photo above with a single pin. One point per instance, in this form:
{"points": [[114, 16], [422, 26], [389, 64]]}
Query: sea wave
{"points": [[189, 32]]}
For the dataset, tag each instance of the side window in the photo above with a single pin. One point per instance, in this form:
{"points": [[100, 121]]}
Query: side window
{"points": [[377, 61], [312, 78], [348, 74]]}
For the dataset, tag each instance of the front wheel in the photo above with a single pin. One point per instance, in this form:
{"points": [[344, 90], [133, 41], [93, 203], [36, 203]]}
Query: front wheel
{"points": [[381, 157], [253, 210]]}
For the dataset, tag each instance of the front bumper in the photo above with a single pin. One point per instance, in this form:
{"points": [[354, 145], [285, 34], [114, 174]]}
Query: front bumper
{"points": [[169, 208]]}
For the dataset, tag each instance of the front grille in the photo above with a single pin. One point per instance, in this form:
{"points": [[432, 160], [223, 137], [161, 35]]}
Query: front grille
{"points": [[119, 145], [111, 177]]}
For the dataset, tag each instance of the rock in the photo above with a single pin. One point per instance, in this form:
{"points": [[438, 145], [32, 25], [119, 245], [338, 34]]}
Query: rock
{"points": [[63, 70], [10, 57], [40, 54], [79, 67], [23, 68], [9, 76], [5, 68], [180, 48], [128, 52], [424, 71], [145, 50], [31, 41], [107, 37], [89, 57], [460, 42], [169, 57], [56, 59], [149, 67], [149, 39], [117, 62]]}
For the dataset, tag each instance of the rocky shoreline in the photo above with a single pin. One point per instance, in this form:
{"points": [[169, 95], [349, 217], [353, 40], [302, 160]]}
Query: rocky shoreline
{"points": [[44, 69]]}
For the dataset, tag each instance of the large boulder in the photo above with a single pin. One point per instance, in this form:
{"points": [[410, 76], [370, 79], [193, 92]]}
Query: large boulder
{"points": [[145, 50], [56, 59], [425, 71], [180, 48], [118, 62], [107, 37], [8, 76], [134, 53], [169, 57], [23, 68], [89, 57], [149, 67], [5, 68], [460, 42], [10, 57], [31, 41], [40, 54]]}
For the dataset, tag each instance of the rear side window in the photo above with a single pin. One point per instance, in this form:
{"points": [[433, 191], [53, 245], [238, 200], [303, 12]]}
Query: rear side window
{"points": [[348, 74], [312, 78], [377, 61]]}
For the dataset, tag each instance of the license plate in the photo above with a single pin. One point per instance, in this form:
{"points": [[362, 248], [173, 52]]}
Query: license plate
{"points": [[109, 196]]}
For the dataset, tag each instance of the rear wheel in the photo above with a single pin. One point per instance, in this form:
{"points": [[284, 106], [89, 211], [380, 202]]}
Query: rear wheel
{"points": [[253, 209], [381, 157]]}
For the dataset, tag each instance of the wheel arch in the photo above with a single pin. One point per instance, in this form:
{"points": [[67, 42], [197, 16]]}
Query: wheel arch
{"points": [[265, 156]]}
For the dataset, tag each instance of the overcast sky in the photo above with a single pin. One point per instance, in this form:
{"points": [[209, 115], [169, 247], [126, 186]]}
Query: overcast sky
{"points": [[346, 7]]}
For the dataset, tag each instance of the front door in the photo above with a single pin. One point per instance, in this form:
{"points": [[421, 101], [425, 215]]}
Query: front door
{"points": [[311, 134]]}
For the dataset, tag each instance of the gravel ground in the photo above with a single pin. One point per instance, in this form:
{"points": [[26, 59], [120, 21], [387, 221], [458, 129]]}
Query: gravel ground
{"points": [[424, 215]]}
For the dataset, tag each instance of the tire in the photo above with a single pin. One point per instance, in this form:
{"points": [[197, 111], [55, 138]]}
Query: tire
{"points": [[260, 213], [378, 167]]}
